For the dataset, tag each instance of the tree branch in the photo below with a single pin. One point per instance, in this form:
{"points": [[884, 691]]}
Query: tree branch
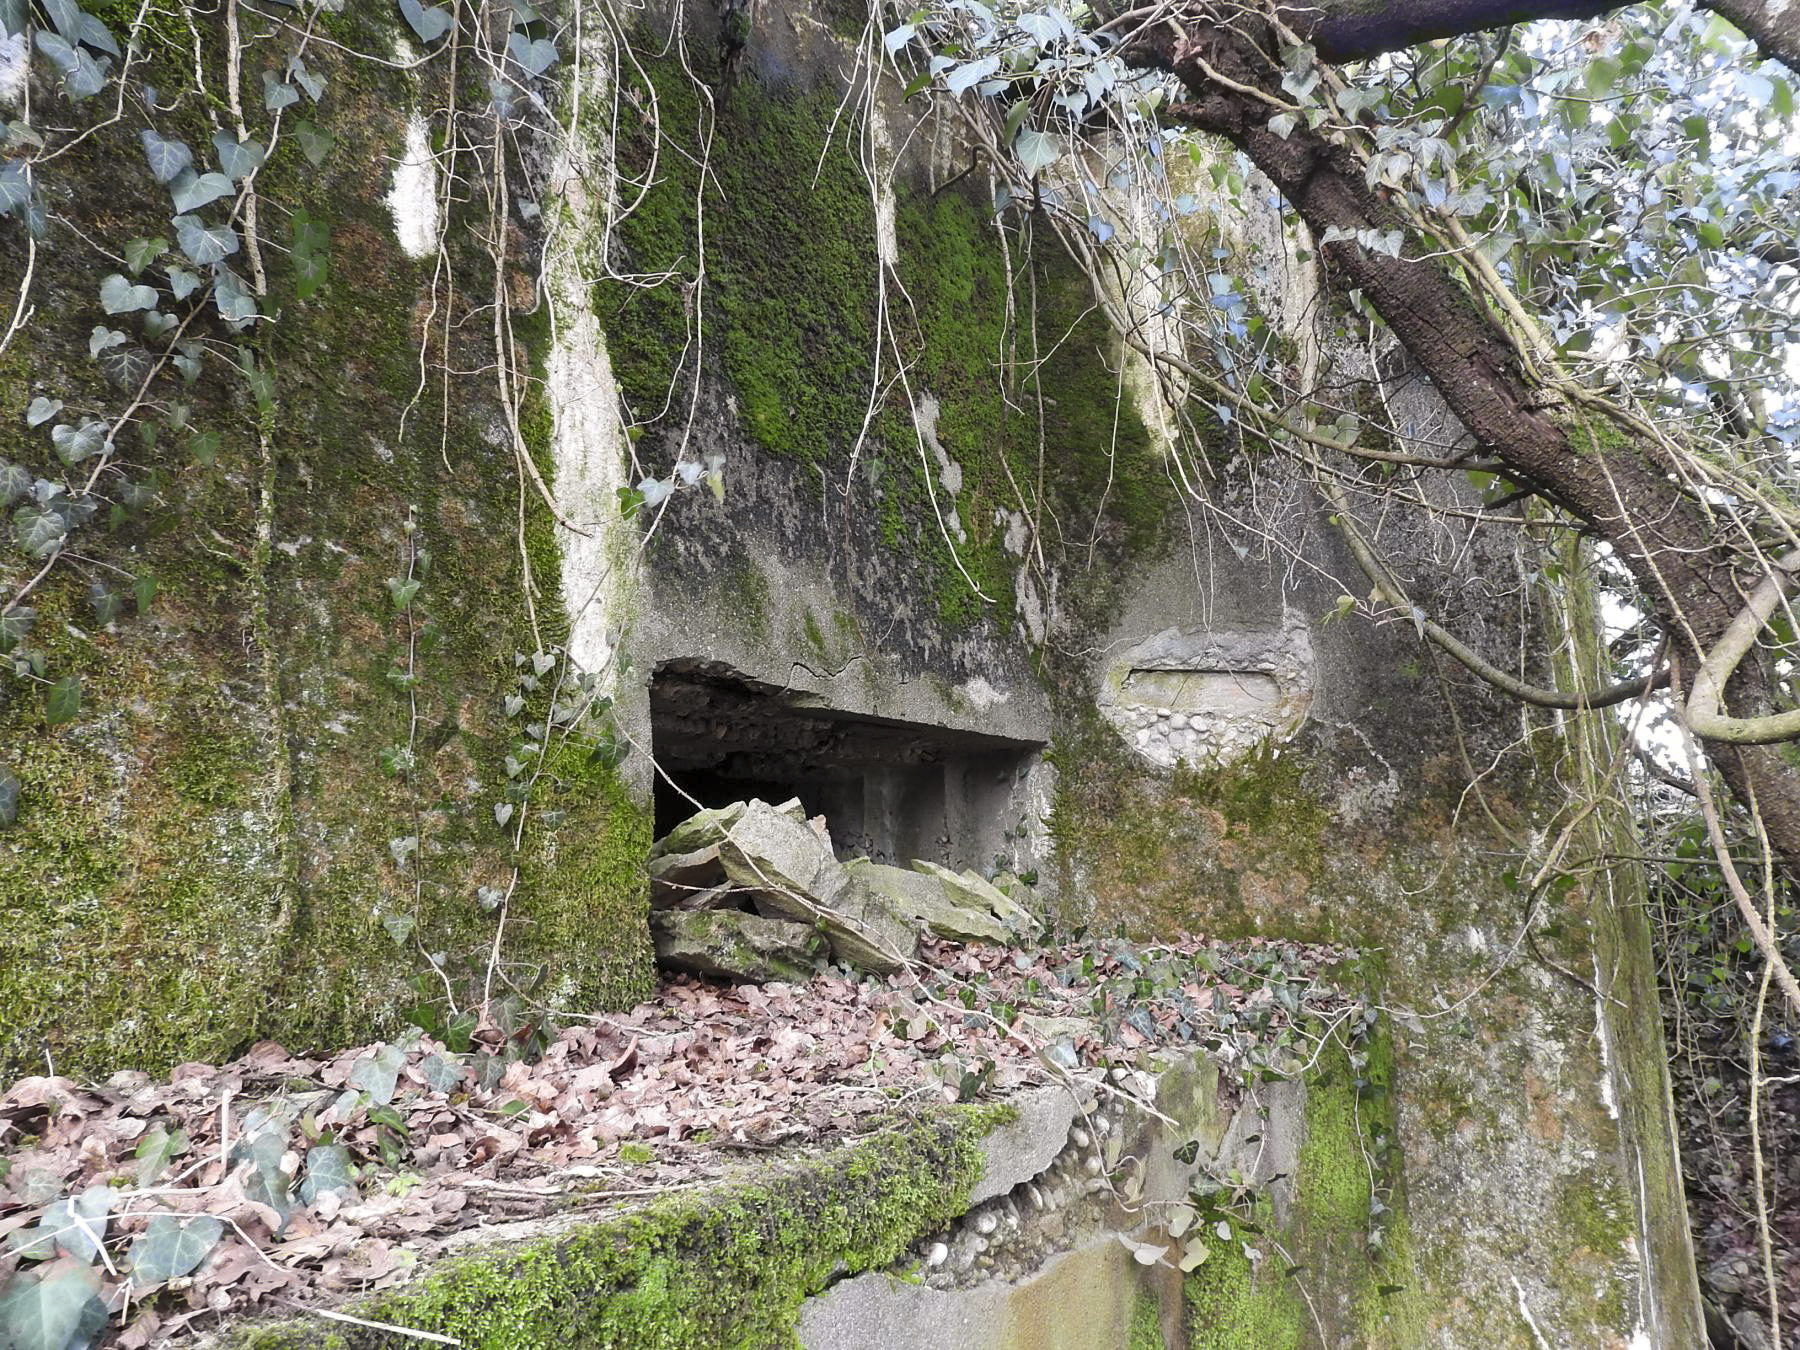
{"points": [[1687, 569], [1353, 30], [1705, 706], [1385, 583]]}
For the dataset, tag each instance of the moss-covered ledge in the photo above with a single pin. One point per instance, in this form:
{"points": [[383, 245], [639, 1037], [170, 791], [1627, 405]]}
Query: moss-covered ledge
{"points": [[726, 1266]]}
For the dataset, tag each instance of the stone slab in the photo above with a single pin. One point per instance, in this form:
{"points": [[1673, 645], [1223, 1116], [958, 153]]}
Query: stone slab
{"points": [[927, 901], [729, 944]]}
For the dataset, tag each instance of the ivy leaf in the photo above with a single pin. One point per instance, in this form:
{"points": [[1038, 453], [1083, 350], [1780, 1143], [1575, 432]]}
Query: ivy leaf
{"points": [[261, 382], [328, 1170], [157, 323], [9, 798], [191, 191], [315, 142], [108, 604], [52, 1309], [63, 702], [236, 305], [971, 73], [125, 366], [140, 253], [204, 446], [309, 237], [536, 56], [15, 482], [442, 1073], [15, 187], [300, 74], [38, 531], [103, 338], [267, 1183], [309, 275], [429, 24], [1037, 150], [74, 444], [78, 26], [143, 590], [182, 282], [204, 244], [119, 296], [378, 1074], [503, 812], [167, 158], [42, 409], [277, 94], [156, 1150], [15, 626], [171, 1247], [83, 76], [239, 159], [58, 48]]}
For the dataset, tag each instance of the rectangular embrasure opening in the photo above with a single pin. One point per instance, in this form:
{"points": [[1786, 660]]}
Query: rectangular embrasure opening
{"points": [[889, 790]]}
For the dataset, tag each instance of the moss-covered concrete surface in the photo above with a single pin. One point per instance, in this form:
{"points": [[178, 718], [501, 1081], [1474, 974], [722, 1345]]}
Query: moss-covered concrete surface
{"points": [[1511, 1123], [725, 1267], [206, 854]]}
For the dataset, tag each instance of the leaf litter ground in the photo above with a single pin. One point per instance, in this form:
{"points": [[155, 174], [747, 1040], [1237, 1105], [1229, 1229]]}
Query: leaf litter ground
{"points": [[143, 1210]]}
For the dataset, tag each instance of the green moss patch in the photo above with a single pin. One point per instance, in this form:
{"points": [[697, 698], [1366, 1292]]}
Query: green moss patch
{"points": [[727, 1268], [790, 320]]}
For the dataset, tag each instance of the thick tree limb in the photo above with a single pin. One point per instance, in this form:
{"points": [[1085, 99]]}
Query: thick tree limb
{"points": [[1353, 30], [1688, 572], [1775, 24]]}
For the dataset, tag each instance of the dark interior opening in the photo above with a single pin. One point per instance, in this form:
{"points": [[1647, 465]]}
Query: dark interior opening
{"points": [[890, 790]]}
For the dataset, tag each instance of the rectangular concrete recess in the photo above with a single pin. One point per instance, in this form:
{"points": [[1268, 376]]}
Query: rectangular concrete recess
{"points": [[891, 790], [1204, 691]]}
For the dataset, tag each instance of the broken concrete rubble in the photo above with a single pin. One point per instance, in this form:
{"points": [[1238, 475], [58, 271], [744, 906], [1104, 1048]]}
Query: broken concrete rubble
{"points": [[730, 944], [674, 877], [972, 889], [708, 827], [790, 872], [926, 901], [774, 863]]}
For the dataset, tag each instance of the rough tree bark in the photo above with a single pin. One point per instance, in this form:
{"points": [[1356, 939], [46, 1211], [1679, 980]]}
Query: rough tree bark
{"points": [[1694, 581], [1349, 30]]}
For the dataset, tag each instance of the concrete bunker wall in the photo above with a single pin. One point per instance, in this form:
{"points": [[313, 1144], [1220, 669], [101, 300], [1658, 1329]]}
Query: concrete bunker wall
{"points": [[1314, 798], [231, 818]]}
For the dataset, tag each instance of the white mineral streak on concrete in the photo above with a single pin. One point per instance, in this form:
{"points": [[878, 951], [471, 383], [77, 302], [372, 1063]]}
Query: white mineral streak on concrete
{"points": [[412, 201], [1603, 1034], [587, 441], [982, 694], [887, 239], [1530, 1321], [15, 69]]}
